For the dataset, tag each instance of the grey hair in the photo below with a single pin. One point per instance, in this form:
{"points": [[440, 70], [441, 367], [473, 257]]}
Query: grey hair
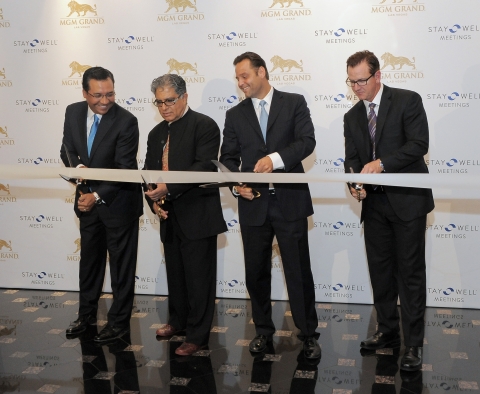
{"points": [[172, 80]]}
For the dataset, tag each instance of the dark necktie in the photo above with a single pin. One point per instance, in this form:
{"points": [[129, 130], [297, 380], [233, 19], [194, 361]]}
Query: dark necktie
{"points": [[263, 119], [372, 126], [93, 131]]}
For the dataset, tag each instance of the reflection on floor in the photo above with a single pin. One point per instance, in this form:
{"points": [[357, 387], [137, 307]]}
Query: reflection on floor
{"points": [[36, 357]]}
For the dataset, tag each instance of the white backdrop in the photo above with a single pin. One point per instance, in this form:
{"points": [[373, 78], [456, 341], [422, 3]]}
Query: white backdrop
{"points": [[428, 46]]}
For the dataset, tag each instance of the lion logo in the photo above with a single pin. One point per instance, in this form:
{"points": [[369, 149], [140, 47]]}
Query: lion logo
{"points": [[77, 242], [390, 60], [7, 331], [78, 68], [396, 1], [5, 244], [180, 3], [2, 73], [1, 13], [282, 2], [76, 7], [5, 188], [177, 66], [276, 251], [4, 131], [278, 62]]}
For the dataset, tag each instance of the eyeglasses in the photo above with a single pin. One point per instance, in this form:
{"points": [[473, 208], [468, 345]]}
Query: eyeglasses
{"points": [[168, 102], [99, 96], [359, 82]]}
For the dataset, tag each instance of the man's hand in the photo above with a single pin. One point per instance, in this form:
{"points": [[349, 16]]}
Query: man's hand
{"points": [[163, 215], [264, 165], [86, 202], [372, 168], [158, 193], [245, 192], [359, 195]]}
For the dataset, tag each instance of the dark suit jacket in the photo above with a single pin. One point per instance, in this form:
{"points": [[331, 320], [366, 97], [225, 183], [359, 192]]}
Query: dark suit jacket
{"points": [[194, 143], [290, 133], [401, 141], [115, 146]]}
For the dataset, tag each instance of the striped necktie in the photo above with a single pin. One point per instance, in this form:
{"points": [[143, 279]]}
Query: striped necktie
{"points": [[263, 119], [372, 126]]}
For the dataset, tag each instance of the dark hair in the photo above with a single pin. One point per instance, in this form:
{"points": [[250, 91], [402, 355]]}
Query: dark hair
{"points": [[255, 60], [97, 73], [369, 57], [173, 80]]}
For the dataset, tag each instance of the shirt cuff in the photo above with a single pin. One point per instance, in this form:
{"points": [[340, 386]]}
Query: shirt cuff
{"points": [[277, 161]]}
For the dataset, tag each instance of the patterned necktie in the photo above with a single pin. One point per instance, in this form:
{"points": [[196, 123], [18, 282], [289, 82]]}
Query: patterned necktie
{"points": [[372, 126], [93, 131], [263, 119], [165, 155]]}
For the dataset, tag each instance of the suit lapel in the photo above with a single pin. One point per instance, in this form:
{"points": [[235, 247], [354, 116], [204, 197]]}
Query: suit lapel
{"points": [[363, 126], [275, 108], [383, 111], [249, 112], [103, 127], [82, 129]]}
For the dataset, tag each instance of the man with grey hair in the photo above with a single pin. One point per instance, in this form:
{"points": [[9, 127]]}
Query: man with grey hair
{"points": [[190, 217]]}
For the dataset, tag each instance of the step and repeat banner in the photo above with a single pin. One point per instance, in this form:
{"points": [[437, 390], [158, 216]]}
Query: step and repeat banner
{"points": [[430, 46]]}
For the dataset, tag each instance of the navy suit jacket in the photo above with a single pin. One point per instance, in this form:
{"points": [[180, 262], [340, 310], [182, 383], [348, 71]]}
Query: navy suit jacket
{"points": [[290, 133], [115, 146], [401, 141]]}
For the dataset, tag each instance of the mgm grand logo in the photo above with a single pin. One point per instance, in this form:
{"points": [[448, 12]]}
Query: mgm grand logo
{"points": [[3, 23], [85, 13], [76, 73], [284, 11], [290, 71], [4, 141], [181, 17], [75, 256], [5, 195], [396, 71], [182, 68], [4, 82], [397, 7], [6, 251]]}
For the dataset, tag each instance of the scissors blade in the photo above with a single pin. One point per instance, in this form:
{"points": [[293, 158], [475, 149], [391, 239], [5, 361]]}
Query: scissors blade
{"points": [[220, 166], [219, 184]]}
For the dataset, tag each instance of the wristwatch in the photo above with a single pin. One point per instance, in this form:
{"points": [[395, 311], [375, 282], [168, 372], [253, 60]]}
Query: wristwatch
{"points": [[98, 200]]}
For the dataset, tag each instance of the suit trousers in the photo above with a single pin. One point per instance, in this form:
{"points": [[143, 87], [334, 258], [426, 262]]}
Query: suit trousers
{"points": [[191, 273], [292, 238], [396, 262], [122, 244]]}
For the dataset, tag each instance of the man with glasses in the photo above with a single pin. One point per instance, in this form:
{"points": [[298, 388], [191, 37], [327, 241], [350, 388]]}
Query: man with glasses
{"points": [[387, 131], [98, 133], [190, 217]]}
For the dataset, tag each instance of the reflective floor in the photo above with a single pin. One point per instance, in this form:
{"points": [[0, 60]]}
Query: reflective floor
{"points": [[36, 357]]}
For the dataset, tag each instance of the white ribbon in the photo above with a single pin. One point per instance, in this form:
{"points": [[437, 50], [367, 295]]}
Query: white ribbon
{"points": [[444, 181]]}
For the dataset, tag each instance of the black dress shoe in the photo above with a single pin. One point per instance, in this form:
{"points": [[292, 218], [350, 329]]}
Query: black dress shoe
{"points": [[80, 325], [110, 333], [412, 359], [381, 340], [259, 343], [311, 348]]}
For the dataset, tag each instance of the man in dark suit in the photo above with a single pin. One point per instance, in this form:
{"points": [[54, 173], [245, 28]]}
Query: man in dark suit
{"points": [[190, 217], [98, 133], [272, 131], [387, 131]]}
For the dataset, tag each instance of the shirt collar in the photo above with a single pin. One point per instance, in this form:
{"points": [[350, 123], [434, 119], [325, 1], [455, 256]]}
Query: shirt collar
{"points": [[267, 98], [376, 99], [90, 114]]}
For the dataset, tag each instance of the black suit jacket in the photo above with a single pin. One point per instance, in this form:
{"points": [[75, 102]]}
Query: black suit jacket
{"points": [[401, 141], [194, 143], [115, 146], [290, 133]]}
